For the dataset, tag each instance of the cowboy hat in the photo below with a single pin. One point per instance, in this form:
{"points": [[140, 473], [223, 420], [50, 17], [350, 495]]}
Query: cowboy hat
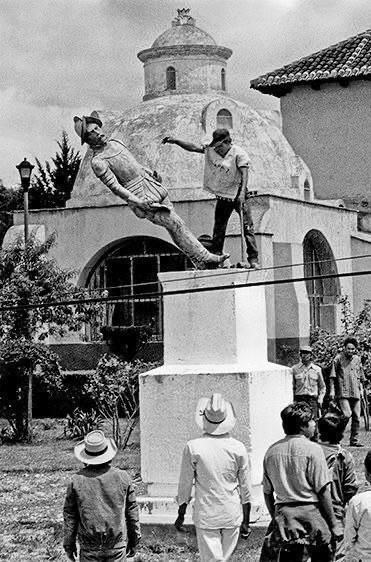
{"points": [[95, 448], [80, 124], [215, 415]]}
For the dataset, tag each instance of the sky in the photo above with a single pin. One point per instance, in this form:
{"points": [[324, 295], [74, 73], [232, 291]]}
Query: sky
{"points": [[61, 58]]}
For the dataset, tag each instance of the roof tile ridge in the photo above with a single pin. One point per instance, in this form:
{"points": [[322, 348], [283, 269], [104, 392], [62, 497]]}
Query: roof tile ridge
{"points": [[366, 34], [356, 51]]}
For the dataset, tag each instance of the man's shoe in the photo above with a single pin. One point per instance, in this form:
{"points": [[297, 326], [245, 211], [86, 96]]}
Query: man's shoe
{"points": [[254, 264], [356, 444]]}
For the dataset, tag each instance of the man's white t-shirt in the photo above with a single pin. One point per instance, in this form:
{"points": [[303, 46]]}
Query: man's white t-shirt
{"points": [[222, 175]]}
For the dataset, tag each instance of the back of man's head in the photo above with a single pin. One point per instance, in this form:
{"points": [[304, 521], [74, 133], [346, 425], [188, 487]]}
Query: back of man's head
{"points": [[331, 427], [295, 417], [368, 462]]}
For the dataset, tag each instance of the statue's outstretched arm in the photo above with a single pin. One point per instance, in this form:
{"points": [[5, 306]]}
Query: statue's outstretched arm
{"points": [[105, 174]]}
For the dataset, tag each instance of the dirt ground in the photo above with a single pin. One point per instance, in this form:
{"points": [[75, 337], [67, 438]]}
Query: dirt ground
{"points": [[32, 487]]}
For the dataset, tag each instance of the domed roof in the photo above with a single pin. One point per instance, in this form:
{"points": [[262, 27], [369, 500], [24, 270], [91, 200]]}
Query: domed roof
{"points": [[190, 117], [185, 34]]}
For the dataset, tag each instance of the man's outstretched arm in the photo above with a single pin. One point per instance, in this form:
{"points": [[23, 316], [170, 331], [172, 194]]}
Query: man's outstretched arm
{"points": [[189, 146]]}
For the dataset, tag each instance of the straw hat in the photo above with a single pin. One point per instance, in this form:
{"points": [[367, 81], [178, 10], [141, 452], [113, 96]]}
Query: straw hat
{"points": [[215, 415], [95, 448]]}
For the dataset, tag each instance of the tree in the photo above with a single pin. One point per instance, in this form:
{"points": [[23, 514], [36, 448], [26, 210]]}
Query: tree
{"points": [[10, 200], [29, 277], [53, 182], [326, 345]]}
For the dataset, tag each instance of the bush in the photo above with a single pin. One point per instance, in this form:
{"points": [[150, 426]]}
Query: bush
{"points": [[79, 423], [114, 388], [326, 346]]}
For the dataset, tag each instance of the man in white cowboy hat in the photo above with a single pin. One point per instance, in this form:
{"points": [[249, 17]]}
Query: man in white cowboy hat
{"points": [[142, 189], [218, 466], [100, 508]]}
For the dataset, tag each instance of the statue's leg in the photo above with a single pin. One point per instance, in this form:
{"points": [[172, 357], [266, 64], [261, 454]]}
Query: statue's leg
{"points": [[185, 240]]}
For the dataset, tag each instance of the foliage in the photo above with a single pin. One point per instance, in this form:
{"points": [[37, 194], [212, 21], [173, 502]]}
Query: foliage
{"points": [[52, 184], [29, 277], [79, 423], [10, 200], [326, 346], [115, 389]]}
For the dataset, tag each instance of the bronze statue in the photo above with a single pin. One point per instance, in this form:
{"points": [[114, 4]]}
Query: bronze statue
{"points": [[116, 167]]}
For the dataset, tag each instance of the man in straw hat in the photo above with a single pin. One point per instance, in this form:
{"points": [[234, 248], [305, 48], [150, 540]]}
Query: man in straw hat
{"points": [[142, 190], [218, 466], [100, 507], [225, 176]]}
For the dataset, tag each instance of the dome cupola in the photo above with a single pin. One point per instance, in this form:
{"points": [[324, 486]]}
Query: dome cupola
{"points": [[184, 60]]}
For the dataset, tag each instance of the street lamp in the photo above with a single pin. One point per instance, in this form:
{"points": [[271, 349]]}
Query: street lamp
{"points": [[25, 171]]}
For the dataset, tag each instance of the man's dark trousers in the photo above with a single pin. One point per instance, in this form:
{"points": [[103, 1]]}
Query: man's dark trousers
{"points": [[223, 211]]}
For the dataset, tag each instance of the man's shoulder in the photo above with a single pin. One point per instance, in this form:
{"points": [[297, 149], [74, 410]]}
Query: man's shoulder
{"points": [[239, 151], [277, 446], [297, 366], [363, 499], [316, 368]]}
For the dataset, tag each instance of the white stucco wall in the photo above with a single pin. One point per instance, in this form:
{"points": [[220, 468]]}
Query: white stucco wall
{"points": [[331, 130], [84, 234]]}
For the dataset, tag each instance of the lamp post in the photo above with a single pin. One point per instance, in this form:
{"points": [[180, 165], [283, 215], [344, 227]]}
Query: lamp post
{"points": [[25, 171]]}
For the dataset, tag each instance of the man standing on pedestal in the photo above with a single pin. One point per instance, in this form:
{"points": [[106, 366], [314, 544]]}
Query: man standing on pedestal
{"points": [[218, 466], [226, 177], [308, 383], [345, 383]]}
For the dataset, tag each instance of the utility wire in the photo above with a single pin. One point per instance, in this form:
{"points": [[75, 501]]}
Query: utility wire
{"points": [[221, 273], [147, 296]]}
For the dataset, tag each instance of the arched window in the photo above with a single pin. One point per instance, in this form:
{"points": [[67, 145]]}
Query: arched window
{"points": [[130, 271], [307, 194], [222, 77], [224, 119], [322, 293], [170, 78]]}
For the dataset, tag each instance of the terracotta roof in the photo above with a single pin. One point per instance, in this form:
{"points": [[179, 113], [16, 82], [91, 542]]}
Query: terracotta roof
{"points": [[347, 60]]}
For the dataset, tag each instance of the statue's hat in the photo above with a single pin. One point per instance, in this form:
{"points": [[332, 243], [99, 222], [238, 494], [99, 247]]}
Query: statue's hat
{"points": [[80, 124]]}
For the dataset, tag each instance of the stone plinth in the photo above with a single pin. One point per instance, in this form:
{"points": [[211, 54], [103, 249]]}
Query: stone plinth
{"points": [[215, 341]]}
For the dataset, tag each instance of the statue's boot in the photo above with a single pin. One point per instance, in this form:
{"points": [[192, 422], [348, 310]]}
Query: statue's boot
{"points": [[185, 240]]}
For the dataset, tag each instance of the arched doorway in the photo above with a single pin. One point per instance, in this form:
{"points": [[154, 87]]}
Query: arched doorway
{"points": [[322, 293], [130, 269]]}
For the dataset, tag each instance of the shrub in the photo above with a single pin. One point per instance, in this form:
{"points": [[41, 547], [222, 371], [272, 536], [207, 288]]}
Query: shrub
{"points": [[114, 387], [79, 423]]}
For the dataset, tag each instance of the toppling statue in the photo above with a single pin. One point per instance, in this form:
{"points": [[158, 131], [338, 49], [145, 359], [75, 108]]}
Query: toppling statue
{"points": [[140, 188]]}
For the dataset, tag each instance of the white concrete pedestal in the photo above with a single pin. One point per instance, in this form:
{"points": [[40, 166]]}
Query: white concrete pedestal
{"points": [[215, 340]]}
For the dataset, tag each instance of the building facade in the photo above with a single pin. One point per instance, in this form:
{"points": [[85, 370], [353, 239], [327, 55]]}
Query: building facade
{"points": [[325, 104]]}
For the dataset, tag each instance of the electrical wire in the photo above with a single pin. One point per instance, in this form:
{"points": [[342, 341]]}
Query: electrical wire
{"points": [[148, 296], [221, 273]]}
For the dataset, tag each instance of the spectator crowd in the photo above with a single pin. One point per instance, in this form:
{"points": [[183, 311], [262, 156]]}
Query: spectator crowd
{"points": [[309, 481]]}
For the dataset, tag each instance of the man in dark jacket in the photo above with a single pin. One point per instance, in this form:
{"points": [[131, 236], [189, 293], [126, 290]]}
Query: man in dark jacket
{"points": [[100, 508]]}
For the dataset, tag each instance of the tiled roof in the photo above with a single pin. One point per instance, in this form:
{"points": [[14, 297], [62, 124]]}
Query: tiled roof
{"points": [[347, 60]]}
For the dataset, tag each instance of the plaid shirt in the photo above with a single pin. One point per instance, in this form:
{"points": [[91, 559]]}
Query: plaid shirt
{"points": [[348, 374]]}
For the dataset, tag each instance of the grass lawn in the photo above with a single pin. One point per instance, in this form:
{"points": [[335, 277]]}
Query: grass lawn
{"points": [[32, 487]]}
